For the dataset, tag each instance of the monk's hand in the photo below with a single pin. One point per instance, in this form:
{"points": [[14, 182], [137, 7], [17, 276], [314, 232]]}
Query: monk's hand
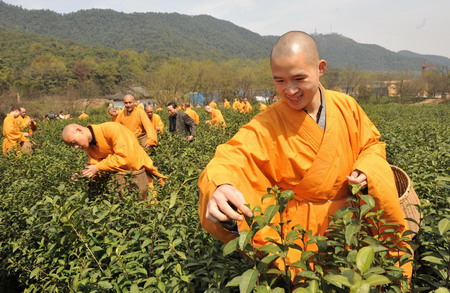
{"points": [[357, 177], [26, 134], [219, 208], [148, 147], [90, 171], [190, 137]]}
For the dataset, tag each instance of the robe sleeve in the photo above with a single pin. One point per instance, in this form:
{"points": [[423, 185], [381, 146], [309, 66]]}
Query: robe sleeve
{"points": [[13, 133], [160, 123], [372, 161]]}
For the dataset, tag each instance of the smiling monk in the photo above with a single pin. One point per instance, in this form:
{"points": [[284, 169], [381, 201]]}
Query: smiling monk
{"points": [[314, 142]]}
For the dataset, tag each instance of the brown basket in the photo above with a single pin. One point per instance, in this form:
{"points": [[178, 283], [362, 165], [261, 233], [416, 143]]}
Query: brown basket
{"points": [[408, 197], [139, 181], [142, 138], [27, 147]]}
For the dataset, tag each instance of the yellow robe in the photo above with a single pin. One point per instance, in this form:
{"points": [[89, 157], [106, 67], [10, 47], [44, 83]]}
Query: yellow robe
{"points": [[12, 134], [139, 124], [83, 116], [246, 107], [26, 124], [157, 121], [217, 119], [213, 105], [287, 148], [226, 105], [262, 107], [194, 116], [236, 105], [118, 150]]}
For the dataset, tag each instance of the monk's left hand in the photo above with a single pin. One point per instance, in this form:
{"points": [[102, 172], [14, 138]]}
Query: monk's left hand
{"points": [[357, 177], [90, 171]]}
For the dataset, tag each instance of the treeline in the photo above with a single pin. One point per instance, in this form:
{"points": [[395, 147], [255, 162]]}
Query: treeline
{"points": [[33, 66]]}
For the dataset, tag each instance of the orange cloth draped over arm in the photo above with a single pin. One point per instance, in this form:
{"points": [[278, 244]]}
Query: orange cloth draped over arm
{"points": [[217, 118], [285, 147]]}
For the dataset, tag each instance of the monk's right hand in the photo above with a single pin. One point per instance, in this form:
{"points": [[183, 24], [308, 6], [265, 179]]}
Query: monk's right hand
{"points": [[219, 209]]}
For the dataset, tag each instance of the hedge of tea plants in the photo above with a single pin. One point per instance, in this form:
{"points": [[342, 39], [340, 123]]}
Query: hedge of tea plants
{"points": [[63, 235]]}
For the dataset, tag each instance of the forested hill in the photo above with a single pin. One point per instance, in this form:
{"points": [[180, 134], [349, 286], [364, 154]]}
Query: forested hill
{"points": [[199, 36]]}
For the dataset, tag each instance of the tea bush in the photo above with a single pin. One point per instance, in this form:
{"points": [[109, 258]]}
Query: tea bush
{"points": [[81, 236]]}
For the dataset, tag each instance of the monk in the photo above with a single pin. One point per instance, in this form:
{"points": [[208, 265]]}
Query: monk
{"points": [[180, 122], [111, 147], [137, 121], [216, 117], [213, 105], [155, 119], [26, 122], [13, 137], [314, 142], [246, 107], [191, 113], [262, 106], [83, 116], [226, 104]]}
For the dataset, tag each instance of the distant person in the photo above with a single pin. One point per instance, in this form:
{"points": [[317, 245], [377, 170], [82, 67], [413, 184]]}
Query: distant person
{"points": [[180, 122], [110, 147], [216, 117], [262, 106], [51, 115], [26, 122], [136, 120], [226, 104], [62, 116], [314, 142], [83, 116], [155, 119], [246, 107], [13, 137], [191, 113], [213, 105]]}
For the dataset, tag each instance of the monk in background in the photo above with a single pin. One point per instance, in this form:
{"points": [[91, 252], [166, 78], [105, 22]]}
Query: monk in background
{"points": [[191, 113], [25, 122], [226, 104], [216, 117], [111, 147], [314, 142], [155, 119], [13, 137], [136, 120]]}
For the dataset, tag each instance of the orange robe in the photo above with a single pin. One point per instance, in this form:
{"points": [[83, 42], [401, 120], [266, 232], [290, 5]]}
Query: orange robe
{"points": [[139, 124], [213, 105], [217, 119], [118, 150], [246, 107], [12, 134], [157, 122], [226, 105], [236, 105], [194, 116], [262, 107], [285, 147], [26, 124], [83, 116]]}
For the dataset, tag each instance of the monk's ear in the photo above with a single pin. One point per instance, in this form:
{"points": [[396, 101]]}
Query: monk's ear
{"points": [[322, 67]]}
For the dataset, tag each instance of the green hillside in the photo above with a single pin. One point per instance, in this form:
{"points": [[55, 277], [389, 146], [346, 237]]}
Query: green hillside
{"points": [[198, 37]]}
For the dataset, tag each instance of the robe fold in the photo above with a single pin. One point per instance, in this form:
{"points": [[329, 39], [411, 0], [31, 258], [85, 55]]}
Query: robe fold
{"points": [[118, 150], [194, 116], [287, 148], [139, 124], [12, 134]]}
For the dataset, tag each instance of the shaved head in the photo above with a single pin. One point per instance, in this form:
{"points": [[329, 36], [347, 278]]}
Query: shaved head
{"points": [[295, 42], [76, 136], [208, 109], [187, 105], [128, 97]]}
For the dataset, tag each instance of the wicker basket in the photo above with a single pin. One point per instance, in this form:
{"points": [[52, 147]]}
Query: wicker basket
{"points": [[140, 182], [408, 197]]}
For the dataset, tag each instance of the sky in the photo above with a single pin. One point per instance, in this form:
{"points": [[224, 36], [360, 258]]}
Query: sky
{"points": [[416, 25]]}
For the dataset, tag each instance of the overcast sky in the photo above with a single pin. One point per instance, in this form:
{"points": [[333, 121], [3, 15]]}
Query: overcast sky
{"points": [[420, 26]]}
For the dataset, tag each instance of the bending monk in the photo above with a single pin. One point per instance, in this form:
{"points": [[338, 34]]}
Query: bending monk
{"points": [[11, 131], [110, 147], [136, 120], [26, 122], [216, 117], [191, 113], [314, 142], [155, 119]]}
